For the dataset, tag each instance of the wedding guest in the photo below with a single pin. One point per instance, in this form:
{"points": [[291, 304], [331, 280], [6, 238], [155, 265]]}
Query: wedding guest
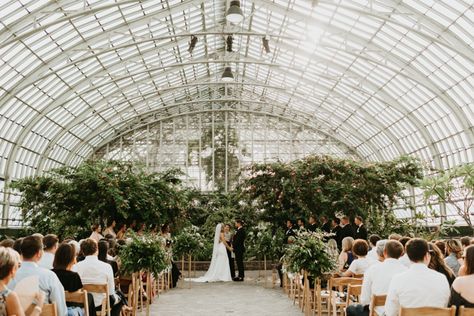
{"points": [[96, 232], [462, 291], [454, 251], [32, 250], [336, 230], [93, 271], [64, 260], [361, 263], [380, 247], [7, 243], [377, 278], [332, 249], [419, 286], [441, 244], [437, 263], [372, 244], [361, 232], [301, 224], [9, 300], [17, 245], [404, 259], [466, 241], [103, 247], [141, 229], [50, 243], [394, 237], [313, 225], [110, 230], [228, 238], [325, 224], [346, 257], [290, 233], [122, 231], [346, 230]]}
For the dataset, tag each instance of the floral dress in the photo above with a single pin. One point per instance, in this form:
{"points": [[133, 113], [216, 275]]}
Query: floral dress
{"points": [[3, 301]]}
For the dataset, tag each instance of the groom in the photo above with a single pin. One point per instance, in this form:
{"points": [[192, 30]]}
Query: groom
{"points": [[239, 249]]}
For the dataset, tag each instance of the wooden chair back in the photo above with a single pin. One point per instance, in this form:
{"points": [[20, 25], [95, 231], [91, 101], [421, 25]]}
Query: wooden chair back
{"points": [[100, 289], [428, 311], [340, 284], [353, 290], [358, 276], [79, 297], [376, 300], [463, 311], [49, 310]]}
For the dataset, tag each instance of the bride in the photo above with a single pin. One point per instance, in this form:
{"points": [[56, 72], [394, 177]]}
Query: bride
{"points": [[219, 269]]}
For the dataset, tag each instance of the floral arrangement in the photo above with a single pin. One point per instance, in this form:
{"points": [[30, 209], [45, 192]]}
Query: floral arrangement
{"points": [[263, 241], [143, 253], [308, 252], [189, 242]]}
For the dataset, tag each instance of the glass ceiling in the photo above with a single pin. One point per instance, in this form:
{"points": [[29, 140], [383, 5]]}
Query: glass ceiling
{"points": [[375, 79]]}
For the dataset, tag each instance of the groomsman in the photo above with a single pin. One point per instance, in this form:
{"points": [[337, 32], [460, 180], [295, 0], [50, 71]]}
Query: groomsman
{"points": [[301, 225], [312, 224], [361, 232], [325, 224], [337, 231], [347, 230]]}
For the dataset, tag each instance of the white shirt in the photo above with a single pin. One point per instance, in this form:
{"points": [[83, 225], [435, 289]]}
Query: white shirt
{"points": [[46, 260], [96, 236], [372, 254], [377, 280], [419, 286], [405, 260], [360, 265], [93, 271]]}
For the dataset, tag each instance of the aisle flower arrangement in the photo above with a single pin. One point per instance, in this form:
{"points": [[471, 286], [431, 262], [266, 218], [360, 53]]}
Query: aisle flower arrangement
{"points": [[189, 242]]}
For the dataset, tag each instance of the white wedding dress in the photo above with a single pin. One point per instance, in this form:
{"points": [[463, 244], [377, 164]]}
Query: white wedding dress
{"points": [[219, 269]]}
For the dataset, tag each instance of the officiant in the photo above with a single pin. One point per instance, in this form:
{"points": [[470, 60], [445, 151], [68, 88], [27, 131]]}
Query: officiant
{"points": [[228, 238]]}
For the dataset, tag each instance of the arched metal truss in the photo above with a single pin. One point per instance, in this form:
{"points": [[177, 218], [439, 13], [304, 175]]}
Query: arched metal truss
{"points": [[375, 78]]}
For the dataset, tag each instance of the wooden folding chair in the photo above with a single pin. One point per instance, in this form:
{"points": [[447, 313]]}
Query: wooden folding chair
{"points": [[376, 300], [79, 297], [353, 291], [428, 311], [463, 311], [49, 310], [337, 304], [100, 289]]}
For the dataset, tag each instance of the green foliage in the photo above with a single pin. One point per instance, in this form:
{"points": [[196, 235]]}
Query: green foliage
{"points": [[68, 200], [189, 242], [263, 241], [143, 253], [325, 185], [309, 252]]}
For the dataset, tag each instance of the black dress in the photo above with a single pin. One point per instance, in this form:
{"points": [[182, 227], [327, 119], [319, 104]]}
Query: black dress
{"points": [[71, 282], [457, 300]]}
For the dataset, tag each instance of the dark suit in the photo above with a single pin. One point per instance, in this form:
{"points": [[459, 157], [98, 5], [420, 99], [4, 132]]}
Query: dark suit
{"points": [[361, 232], [347, 231], [312, 227], [239, 249], [326, 227], [337, 231]]}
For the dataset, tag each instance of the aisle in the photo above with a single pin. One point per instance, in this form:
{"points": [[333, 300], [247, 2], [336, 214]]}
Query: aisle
{"points": [[230, 298]]}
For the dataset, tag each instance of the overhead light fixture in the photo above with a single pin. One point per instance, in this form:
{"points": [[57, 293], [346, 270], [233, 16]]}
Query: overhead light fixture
{"points": [[192, 43], [229, 41], [227, 75], [235, 14], [265, 42]]}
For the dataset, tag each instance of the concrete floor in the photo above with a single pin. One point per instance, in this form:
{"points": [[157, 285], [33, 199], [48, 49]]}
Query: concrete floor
{"points": [[226, 298]]}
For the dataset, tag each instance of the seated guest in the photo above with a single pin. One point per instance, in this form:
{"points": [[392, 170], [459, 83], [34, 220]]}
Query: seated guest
{"points": [[64, 260], [454, 252], [32, 250], [465, 241], [380, 248], [104, 254], [404, 259], [7, 243], [346, 257], [361, 232], [419, 286], [442, 246], [377, 278], [93, 271], [373, 239], [359, 265], [17, 245], [394, 237], [462, 291], [50, 243], [437, 263], [9, 300], [96, 229]]}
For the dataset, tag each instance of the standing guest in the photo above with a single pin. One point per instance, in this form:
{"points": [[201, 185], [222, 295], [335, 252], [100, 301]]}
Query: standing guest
{"points": [[346, 230], [110, 230], [238, 244], [437, 263], [394, 237], [361, 232], [441, 244], [360, 248], [377, 278], [454, 252], [64, 260], [121, 232], [462, 291], [346, 256], [337, 231], [32, 250], [96, 232], [7, 243], [325, 224], [93, 271], [466, 241], [50, 243], [301, 224], [228, 238], [373, 239], [404, 259], [312, 224], [9, 300], [419, 286]]}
